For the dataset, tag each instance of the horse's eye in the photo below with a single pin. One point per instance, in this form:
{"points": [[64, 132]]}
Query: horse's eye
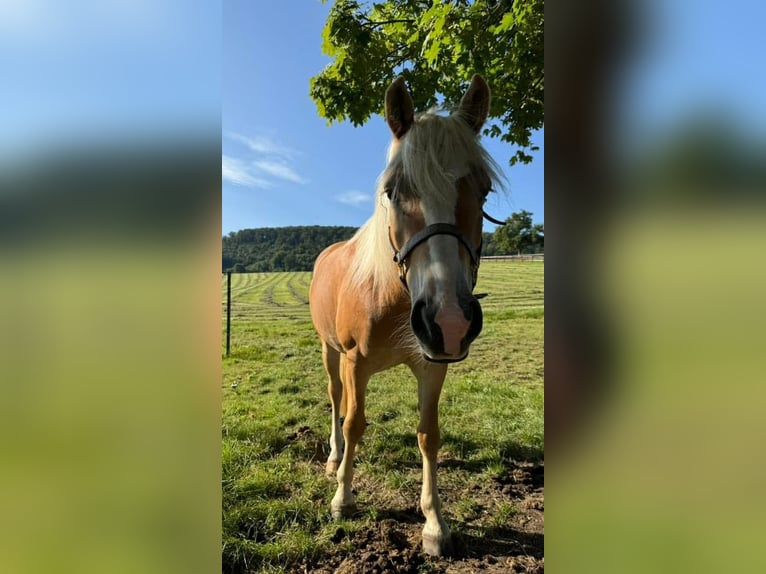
{"points": [[390, 192]]}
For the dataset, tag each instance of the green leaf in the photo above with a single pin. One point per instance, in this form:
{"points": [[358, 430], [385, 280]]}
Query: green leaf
{"points": [[505, 24], [432, 52]]}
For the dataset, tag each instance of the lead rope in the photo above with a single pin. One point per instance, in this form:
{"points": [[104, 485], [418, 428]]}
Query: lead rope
{"points": [[475, 269], [488, 217]]}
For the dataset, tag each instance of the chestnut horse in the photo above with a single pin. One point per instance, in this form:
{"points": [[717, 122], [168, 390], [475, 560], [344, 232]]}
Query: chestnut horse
{"points": [[373, 313]]}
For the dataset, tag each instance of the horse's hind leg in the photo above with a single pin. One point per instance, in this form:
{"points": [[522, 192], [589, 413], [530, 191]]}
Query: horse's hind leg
{"points": [[437, 539], [354, 387], [331, 359]]}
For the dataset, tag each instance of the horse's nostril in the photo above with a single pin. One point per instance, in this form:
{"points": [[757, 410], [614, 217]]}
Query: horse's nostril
{"points": [[418, 318], [424, 327], [468, 310], [475, 316]]}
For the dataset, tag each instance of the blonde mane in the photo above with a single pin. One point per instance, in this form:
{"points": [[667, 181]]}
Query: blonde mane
{"points": [[436, 152]]}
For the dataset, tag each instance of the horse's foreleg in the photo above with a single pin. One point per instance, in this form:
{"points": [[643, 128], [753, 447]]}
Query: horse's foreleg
{"points": [[354, 386], [332, 361], [437, 539]]}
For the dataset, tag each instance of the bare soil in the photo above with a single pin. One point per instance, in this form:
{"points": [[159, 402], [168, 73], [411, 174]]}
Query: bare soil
{"points": [[392, 544]]}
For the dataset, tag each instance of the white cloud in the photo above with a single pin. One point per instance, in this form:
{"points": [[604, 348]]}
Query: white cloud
{"points": [[353, 197], [263, 145], [234, 171], [279, 169], [267, 158]]}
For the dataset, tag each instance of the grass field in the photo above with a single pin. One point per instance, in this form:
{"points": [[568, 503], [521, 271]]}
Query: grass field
{"points": [[276, 423]]}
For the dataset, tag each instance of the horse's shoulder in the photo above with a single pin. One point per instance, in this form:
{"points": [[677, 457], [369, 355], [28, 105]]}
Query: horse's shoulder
{"points": [[330, 252]]}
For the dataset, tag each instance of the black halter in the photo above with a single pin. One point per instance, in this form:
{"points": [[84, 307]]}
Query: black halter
{"points": [[401, 255]]}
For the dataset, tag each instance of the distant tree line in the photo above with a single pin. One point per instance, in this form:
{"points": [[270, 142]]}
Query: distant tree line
{"points": [[296, 248], [279, 248]]}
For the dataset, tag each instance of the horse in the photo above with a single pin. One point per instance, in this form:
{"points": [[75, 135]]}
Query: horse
{"points": [[400, 291]]}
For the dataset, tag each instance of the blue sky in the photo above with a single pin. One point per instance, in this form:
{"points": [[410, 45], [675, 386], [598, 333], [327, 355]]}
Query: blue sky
{"points": [[696, 57], [282, 164], [115, 66], [106, 69]]}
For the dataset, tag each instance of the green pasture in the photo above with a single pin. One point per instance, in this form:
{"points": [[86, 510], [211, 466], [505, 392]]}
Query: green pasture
{"points": [[275, 420]]}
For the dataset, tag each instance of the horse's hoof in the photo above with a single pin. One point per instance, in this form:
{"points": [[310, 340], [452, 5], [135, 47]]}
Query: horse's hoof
{"points": [[346, 511], [331, 468], [437, 545]]}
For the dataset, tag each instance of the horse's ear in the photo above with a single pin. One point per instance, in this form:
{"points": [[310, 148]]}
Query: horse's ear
{"points": [[474, 107], [400, 113]]}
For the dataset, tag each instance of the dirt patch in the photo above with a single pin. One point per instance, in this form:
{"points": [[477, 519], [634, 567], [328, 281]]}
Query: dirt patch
{"points": [[483, 542], [308, 445]]}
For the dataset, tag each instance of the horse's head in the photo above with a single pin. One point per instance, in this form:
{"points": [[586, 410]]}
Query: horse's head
{"points": [[437, 179]]}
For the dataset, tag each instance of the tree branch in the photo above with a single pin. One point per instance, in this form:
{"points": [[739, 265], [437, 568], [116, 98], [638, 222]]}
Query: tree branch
{"points": [[375, 23]]}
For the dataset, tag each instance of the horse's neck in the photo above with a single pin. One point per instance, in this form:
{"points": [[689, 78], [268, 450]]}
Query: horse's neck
{"points": [[370, 263]]}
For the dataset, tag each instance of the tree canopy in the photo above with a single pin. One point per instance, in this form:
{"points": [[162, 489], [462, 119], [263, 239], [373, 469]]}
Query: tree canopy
{"points": [[437, 47], [519, 235]]}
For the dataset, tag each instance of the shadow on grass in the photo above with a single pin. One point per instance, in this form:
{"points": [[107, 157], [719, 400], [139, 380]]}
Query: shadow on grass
{"points": [[456, 452], [495, 541], [499, 541], [465, 449], [408, 515]]}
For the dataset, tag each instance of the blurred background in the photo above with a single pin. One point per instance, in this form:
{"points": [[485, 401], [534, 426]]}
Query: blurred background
{"points": [[656, 141], [109, 238]]}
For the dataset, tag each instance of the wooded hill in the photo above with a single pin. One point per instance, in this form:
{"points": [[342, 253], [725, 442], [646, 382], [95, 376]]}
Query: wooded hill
{"points": [[292, 248]]}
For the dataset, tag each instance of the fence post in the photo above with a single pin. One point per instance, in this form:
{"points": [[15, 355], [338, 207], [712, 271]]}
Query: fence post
{"points": [[228, 311]]}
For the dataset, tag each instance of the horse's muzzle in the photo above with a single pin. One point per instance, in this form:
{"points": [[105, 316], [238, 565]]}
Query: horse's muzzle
{"points": [[446, 334]]}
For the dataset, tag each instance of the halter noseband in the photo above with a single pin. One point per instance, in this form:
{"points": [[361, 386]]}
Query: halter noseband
{"points": [[401, 255]]}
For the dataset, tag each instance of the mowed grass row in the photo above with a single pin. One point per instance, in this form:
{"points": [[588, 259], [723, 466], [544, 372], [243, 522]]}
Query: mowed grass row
{"points": [[276, 421], [268, 296], [509, 286]]}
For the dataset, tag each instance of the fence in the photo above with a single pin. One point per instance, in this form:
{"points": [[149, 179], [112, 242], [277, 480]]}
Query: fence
{"points": [[228, 312], [524, 257]]}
